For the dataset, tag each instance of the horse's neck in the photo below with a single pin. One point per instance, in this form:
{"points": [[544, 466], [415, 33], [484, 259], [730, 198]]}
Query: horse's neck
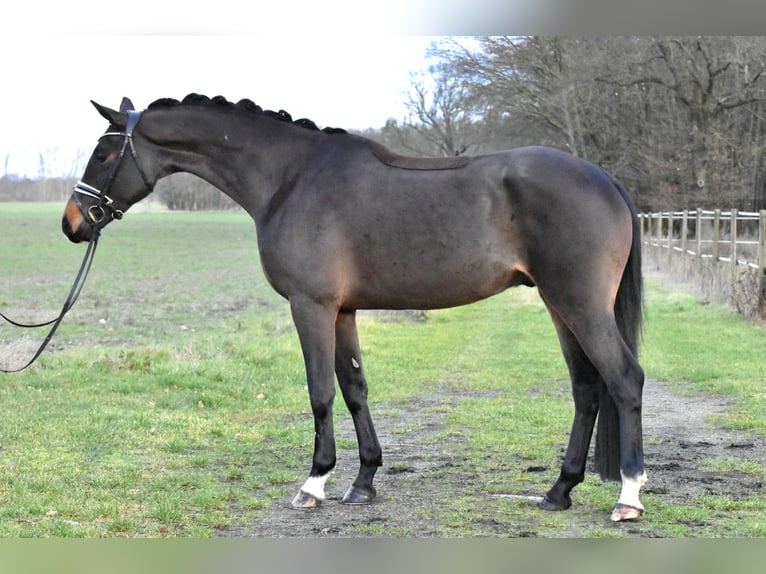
{"points": [[242, 156]]}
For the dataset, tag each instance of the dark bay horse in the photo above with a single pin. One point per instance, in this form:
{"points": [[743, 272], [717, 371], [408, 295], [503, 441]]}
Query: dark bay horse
{"points": [[344, 224]]}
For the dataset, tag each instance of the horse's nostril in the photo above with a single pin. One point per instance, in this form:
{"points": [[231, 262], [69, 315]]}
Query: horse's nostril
{"points": [[74, 235]]}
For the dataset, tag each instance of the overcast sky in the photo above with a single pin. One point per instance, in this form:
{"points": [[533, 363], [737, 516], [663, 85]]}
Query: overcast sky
{"points": [[336, 80], [343, 63]]}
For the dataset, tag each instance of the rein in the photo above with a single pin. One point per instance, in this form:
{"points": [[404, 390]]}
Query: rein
{"points": [[95, 215], [74, 294]]}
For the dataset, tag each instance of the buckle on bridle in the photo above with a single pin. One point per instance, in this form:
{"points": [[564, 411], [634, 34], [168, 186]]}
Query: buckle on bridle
{"points": [[97, 213], [92, 213]]}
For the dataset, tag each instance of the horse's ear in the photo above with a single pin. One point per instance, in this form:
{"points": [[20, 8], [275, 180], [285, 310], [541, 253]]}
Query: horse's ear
{"points": [[126, 105], [113, 117]]}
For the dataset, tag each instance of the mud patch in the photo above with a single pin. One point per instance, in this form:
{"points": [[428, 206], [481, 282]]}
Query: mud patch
{"points": [[679, 441], [424, 467]]}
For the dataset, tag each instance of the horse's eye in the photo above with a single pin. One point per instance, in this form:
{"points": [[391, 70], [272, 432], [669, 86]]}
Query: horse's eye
{"points": [[101, 157]]}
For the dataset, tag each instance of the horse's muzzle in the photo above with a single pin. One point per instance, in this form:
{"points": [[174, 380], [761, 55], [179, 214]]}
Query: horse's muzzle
{"points": [[73, 224]]}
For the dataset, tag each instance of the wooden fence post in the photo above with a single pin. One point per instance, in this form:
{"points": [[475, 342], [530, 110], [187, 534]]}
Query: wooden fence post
{"points": [[698, 238], [684, 239], [762, 263], [670, 238], [716, 233], [658, 248], [733, 248]]}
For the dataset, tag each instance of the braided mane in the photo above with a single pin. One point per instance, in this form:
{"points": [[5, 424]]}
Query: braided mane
{"points": [[246, 105]]}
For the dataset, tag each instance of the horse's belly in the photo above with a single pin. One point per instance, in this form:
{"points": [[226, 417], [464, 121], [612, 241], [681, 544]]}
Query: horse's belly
{"points": [[429, 286]]}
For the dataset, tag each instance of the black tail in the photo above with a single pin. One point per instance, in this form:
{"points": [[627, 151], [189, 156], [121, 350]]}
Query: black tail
{"points": [[628, 310]]}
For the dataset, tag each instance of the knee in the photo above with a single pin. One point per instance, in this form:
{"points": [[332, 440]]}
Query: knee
{"points": [[354, 389], [321, 406]]}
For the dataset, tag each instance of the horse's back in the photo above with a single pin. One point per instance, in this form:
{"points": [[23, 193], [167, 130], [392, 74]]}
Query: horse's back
{"points": [[370, 234]]}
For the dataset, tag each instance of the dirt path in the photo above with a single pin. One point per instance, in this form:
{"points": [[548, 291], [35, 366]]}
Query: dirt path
{"points": [[421, 471]]}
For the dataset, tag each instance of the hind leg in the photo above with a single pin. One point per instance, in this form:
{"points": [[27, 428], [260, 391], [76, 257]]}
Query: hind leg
{"points": [[348, 368], [624, 380], [585, 390], [593, 325]]}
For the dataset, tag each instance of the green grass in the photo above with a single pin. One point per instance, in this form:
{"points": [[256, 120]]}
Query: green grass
{"points": [[708, 348], [175, 404]]}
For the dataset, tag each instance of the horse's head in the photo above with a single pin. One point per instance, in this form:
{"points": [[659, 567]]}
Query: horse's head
{"points": [[112, 182]]}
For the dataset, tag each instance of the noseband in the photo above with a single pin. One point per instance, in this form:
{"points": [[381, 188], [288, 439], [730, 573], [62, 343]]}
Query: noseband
{"points": [[97, 212]]}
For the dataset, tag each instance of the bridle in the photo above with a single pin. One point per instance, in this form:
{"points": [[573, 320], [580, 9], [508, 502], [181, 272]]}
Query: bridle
{"points": [[94, 215]]}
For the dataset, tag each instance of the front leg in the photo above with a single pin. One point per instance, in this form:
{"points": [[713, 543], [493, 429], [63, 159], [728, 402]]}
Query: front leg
{"points": [[348, 367], [316, 329]]}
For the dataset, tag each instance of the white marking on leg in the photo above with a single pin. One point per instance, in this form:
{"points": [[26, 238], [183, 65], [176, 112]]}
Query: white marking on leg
{"points": [[354, 363], [314, 486], [630, 488]]}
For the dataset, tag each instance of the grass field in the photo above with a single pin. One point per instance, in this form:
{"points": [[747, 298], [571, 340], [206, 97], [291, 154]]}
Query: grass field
{"points": [[174, 402]]}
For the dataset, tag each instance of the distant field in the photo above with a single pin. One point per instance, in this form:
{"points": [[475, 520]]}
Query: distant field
{"points": [[173, 402]]}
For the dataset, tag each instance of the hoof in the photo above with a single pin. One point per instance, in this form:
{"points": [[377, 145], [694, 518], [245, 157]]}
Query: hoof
{"points": [[305, 501], [623, 512], [356, 495], [547, 504]]}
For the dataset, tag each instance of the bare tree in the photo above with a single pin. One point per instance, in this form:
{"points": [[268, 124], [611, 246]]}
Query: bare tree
{"points": [[187, 192], [442, 114], [680, 120], [542, 79], [715, 90]]}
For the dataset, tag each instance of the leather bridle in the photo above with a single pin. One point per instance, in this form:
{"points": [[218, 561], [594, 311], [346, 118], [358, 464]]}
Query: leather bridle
{"points": [[96, 213]]}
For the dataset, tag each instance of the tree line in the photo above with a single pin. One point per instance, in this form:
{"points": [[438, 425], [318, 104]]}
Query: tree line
{"points": [[49, 189], [180, 191], [681, 121]]}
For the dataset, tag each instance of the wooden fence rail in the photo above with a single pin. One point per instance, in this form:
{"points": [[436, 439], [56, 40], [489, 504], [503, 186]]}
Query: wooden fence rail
{"points": [[723, 252]]}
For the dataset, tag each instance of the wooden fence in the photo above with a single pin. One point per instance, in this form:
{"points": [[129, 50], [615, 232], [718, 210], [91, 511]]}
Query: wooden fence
{"points": [[723, 253]]}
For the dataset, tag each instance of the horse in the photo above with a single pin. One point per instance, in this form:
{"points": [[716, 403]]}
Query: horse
{"points": [[344, 224]]}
